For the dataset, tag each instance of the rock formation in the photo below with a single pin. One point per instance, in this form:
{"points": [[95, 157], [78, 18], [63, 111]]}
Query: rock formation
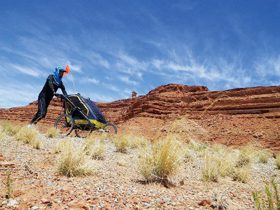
{"points": [[134, 94], [169, 102]]}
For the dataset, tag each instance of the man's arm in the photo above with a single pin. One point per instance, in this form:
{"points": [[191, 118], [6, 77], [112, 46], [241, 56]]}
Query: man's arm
{"points": [[63, 89], [50, 83]]}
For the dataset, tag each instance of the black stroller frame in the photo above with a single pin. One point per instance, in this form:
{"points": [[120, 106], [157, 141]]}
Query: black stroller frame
{"points": [[65, 123]]}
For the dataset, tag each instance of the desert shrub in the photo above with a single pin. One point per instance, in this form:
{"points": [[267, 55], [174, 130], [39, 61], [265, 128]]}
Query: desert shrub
{"points": [[225, 159], [122, 142], [188, 154], [2, 132], [9, 184], [73, 160], [29, 136], [240, 174], [264, 157], [102, 137], [9, 128], [138, 141], [243, 160], [220, 161], [197, 147], [62, 145], [272, 202], [159, 161], [210, 170], [247, 155], [51, 133], [94, 147], [127, 140], [217, 163], [277, 161], [220, 199]]}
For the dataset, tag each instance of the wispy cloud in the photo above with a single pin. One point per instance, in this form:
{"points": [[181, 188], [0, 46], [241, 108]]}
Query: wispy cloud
{"points": [[127, 80], [76, 68], [28, 71], [89, 80], [19, 94]]}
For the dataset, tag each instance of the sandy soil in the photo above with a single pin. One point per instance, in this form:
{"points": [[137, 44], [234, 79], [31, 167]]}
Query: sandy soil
{"points": [[117, 184]]}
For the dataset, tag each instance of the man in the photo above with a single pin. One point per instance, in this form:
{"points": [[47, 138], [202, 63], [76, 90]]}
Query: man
{"points": [[53, 82]]}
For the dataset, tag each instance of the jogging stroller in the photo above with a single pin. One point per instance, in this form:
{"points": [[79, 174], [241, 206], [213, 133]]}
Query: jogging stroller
{"points": [[82, 115]]}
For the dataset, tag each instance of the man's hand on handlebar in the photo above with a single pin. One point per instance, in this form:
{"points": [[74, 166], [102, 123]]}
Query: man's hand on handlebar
{"points": [[57, 95]]}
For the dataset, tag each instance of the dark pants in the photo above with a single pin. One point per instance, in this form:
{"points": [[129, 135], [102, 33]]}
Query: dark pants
{"points": [[43, 104]]}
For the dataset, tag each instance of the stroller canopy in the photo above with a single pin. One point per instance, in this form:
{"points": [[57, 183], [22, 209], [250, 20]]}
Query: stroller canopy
{"points": [[88, 107]]}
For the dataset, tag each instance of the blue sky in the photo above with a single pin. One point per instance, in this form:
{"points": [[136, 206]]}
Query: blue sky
{"points": [[115, 47]]}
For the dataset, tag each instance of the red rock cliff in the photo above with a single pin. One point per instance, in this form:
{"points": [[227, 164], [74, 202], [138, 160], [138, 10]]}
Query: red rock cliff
{"points": [[168, 102]]}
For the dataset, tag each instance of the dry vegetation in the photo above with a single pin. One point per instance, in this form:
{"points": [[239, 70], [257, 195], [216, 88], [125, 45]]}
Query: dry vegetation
{"points": [[158, 160]]}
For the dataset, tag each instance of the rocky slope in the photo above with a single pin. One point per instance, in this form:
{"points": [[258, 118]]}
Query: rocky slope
{"points": [[233, 117]]}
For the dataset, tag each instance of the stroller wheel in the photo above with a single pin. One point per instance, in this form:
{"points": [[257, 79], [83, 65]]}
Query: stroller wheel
{"points": [[110, 128], [64, 124], [82, 131]]}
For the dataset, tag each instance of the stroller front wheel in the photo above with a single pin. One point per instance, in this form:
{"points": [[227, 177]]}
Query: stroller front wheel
{"points": [[110, 129]]}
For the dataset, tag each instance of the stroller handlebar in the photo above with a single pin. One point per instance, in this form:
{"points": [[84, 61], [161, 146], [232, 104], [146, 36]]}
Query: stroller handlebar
{"points": [[64, 97], [59, 95]]}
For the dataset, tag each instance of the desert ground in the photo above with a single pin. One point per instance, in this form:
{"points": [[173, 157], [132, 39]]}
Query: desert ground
{"points": [[207, 125]]}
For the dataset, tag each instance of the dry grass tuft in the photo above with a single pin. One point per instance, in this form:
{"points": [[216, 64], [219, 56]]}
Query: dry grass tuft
{"points": [[29, 136], [264, 156], [51, 133], [277, 161], [188, 154], [159, 161], [240, 174], [8, 128], [221, 161], [248, 154], [2, 132], [123, 142], [138, 141], [210, 170], [94, 147], [73, 160]]}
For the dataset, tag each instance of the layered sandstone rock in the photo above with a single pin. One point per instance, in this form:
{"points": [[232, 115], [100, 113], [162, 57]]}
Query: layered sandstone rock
{"points": [[169, 101], [231, 117]]}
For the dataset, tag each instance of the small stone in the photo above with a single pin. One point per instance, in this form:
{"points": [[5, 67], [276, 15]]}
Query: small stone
{"points": [[12, 203], [147, 205]]}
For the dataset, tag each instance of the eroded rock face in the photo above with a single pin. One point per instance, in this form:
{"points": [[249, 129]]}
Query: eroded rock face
{"points": [[193, 101], [169, 102]]}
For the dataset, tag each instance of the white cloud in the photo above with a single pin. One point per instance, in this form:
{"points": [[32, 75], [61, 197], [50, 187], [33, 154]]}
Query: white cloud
{"points": [[112, 87], [275, 64], [127, 80], [90, 80], [19, 94], [76, 68], [28, 71], [268, 66]]}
